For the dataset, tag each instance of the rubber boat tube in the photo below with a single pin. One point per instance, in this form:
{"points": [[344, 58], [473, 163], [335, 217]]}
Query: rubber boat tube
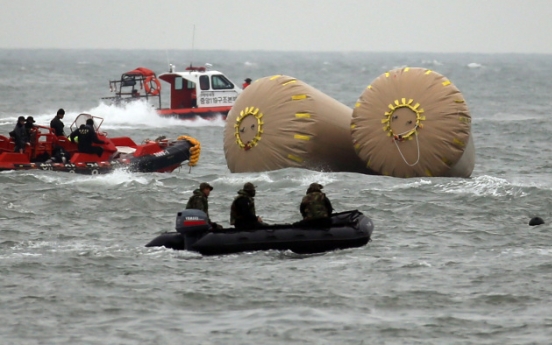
{"points": [[348, 229]]}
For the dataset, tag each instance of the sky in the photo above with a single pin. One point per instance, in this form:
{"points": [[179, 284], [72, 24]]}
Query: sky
{"points": [[441, 26]]}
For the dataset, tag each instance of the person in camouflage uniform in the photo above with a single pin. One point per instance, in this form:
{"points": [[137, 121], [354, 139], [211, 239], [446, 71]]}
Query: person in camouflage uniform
{"points": [[242, 211], [199, 201], [315, 204]]}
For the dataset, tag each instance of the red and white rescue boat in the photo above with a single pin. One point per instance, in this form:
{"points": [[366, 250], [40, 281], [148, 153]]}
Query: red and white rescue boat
{"points": [[195, 92]]}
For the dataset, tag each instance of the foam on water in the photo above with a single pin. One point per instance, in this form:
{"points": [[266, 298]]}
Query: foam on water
{"points": [[482, 186], [116, 178], [495, 186], [129, 116], [140, 114], [520, 252], [301, 177]]}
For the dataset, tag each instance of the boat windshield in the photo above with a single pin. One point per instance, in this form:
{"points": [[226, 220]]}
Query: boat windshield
{"points": [[81, 120]]}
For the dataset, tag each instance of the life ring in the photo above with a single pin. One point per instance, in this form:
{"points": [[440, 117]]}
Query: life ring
{"points": [[154, 91]]}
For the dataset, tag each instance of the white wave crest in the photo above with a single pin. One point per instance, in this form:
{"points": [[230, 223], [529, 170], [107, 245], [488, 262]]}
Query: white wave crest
{"points": [[482, 186]]}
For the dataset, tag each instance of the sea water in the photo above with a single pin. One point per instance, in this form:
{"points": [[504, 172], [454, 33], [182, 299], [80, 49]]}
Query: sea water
{"points": [[452, 260]]}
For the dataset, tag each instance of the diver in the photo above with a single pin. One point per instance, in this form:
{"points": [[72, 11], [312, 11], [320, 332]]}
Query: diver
{"points": [[86, 135], [242, 211], [315, 204], [199, 201]]}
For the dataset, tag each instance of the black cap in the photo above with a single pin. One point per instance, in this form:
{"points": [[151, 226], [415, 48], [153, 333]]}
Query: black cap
{"points": [[248, 186], [248, 80], [205, 185], [61, 112], [89, 122], [30, 119], [21, 118]]}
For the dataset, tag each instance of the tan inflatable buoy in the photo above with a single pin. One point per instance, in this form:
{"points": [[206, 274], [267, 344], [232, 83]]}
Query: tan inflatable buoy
{"points": [[280, 122], [413, 122]]}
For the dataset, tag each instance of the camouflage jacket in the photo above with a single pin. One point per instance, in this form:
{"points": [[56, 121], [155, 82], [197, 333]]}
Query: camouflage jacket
{"points": [[198, 201], [315, 205]]}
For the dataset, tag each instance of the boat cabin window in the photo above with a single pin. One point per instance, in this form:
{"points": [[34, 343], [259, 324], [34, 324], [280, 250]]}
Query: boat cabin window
{"points": [[204, 82], [221, 83], [178, 83]]}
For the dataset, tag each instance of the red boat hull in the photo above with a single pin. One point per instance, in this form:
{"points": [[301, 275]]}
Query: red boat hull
{"points": [[192, 113]]}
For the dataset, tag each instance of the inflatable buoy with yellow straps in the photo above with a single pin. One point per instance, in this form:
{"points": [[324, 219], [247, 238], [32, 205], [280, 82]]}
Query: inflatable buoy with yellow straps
{"points": [[195, 150]]}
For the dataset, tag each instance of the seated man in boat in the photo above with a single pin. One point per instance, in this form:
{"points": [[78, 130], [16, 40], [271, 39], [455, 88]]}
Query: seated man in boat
{"points": [[199, 201], [315, 205], [242, 211], [86, 135]]}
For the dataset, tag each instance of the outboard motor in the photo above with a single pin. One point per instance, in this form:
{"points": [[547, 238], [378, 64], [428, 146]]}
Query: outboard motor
{"points": [[192, 224]]}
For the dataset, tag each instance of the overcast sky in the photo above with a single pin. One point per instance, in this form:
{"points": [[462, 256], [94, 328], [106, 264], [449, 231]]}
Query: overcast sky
{"points": [[476, 26]]}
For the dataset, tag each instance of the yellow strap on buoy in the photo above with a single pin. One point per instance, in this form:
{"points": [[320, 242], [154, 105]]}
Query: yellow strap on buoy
{"points": [[195, 150]]}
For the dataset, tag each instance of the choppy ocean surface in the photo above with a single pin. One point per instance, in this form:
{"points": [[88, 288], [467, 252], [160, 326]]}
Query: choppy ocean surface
{"points": [[452, 261]]}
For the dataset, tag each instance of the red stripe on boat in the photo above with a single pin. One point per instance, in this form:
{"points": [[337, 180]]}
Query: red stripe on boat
{"points": [[194, 222]]}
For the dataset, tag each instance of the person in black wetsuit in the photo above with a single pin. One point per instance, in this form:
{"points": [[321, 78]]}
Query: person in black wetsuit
{"points": [[56, 123], [87, 136]]}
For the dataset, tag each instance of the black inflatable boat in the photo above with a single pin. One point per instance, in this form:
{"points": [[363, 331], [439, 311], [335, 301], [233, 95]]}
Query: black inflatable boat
{"points": [[348, 229]]}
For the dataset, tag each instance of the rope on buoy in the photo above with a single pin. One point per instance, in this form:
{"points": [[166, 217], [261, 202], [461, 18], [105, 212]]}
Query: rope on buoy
{"points": [[195, 150], [399, 137]]}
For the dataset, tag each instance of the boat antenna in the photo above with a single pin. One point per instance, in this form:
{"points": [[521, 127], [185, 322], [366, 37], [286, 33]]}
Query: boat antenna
{"points": [[171, 67], [193, 42]]}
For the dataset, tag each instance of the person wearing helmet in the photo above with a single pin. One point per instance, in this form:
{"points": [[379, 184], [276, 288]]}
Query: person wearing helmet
{"points": [[199, 201], [315, 204], [242, 211]]}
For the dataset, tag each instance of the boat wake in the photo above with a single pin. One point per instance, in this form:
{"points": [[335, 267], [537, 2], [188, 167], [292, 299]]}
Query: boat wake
{"points": [[141, 114]]}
